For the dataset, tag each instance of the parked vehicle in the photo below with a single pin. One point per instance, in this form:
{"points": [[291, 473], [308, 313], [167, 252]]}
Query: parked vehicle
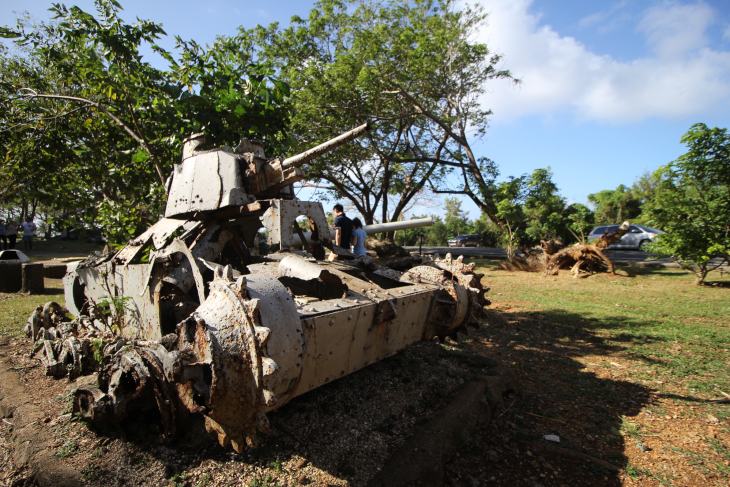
{"points": [[471, 240], [638, 237]]}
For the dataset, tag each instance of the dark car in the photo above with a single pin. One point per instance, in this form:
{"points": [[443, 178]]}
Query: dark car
{"points": [[466, 241], [637, 238]]}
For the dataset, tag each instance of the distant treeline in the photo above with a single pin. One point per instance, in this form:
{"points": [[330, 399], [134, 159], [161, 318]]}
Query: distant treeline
{"points": [[536, 211]]}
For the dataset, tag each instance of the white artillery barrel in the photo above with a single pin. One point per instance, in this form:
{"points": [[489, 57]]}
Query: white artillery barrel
{"points": [[329, 146]]}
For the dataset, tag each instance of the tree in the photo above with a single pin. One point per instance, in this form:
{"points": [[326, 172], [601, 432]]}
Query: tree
{"points": [[531, 210], [411, 68], [490, 233], [510, 198], [615, 206], [644, 189], [693, 202], [580, 221], [435, 235], [457, 221], [234, 98], [88, 125], [544, 208]]}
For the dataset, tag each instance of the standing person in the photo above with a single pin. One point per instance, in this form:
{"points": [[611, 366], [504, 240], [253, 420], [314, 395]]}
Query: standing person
{"points": [[358, 237], [343, 227], [3, 238], [29, 229], [11, 231]]}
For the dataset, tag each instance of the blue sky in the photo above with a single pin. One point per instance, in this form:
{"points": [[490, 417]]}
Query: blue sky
{"points": [[608, 87]]}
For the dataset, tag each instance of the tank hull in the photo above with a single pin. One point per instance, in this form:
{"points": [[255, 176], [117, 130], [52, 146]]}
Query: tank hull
{"points": [[195, 323]]}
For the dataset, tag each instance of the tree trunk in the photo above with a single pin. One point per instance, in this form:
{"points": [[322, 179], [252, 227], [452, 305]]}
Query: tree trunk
{"points": [[34, 205], [33, 279], [578, 256], [48, 227], [551, 247], [700, 275], [23, 210], [609, 238]]}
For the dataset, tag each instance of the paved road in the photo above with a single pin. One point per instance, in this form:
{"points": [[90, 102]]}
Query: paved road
{"points": [[619, 257]]}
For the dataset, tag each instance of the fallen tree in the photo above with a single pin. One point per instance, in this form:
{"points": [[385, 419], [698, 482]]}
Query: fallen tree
{"points": [[551, 256]]}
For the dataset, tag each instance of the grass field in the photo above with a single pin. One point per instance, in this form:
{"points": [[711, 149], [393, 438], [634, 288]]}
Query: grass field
{"points": [[657, 316], [621, 368], [16, 308], [624, 362]]}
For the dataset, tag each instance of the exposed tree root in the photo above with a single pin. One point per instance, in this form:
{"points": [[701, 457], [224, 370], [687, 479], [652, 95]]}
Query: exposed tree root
{"points": [[577, 257], [550, 258]]}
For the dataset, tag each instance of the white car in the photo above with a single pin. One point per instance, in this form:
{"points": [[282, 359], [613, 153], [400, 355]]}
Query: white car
{"points": [[638, 237]]}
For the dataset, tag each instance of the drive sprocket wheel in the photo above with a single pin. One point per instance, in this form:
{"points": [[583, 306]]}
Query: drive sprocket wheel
{"points": [[462, 299], [464, 275]]}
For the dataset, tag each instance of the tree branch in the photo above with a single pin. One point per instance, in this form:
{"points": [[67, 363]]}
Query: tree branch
{"points": [[100, 107]]}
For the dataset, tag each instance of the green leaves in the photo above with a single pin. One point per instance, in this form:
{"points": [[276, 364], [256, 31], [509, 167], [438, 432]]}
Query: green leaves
{"points": [[102, 154], [9, 34], [532, 210], [615, 206], [234, 97], [348, 62], [692, 202]]}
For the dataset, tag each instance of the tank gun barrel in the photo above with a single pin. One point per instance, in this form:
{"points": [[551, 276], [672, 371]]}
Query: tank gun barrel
{"points": [[376, 228], [329, 146], [401, 225]]}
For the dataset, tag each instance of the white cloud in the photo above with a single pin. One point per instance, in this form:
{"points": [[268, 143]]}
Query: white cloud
{"points": [[607, 20], [679, 75], [673, 29]]}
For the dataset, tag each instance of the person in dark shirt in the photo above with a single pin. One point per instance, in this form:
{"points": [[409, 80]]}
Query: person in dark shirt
{"points": [[343, 227]]}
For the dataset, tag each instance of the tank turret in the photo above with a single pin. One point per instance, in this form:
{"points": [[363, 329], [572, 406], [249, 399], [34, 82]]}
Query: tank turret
{"points": [[223, 178]]}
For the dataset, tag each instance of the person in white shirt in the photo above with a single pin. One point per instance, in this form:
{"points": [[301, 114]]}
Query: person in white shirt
{"points": [[29, 229]]}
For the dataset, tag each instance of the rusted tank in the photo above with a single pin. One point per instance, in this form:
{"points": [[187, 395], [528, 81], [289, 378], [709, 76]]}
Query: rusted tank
{"points": [[208, 328]]}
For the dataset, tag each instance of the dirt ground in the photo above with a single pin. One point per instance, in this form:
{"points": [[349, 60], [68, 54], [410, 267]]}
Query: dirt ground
{"points": [[579, 389], [339, 434]]}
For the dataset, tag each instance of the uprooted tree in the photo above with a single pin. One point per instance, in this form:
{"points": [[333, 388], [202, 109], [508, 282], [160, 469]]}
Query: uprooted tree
{"points": [[581, 256]]}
